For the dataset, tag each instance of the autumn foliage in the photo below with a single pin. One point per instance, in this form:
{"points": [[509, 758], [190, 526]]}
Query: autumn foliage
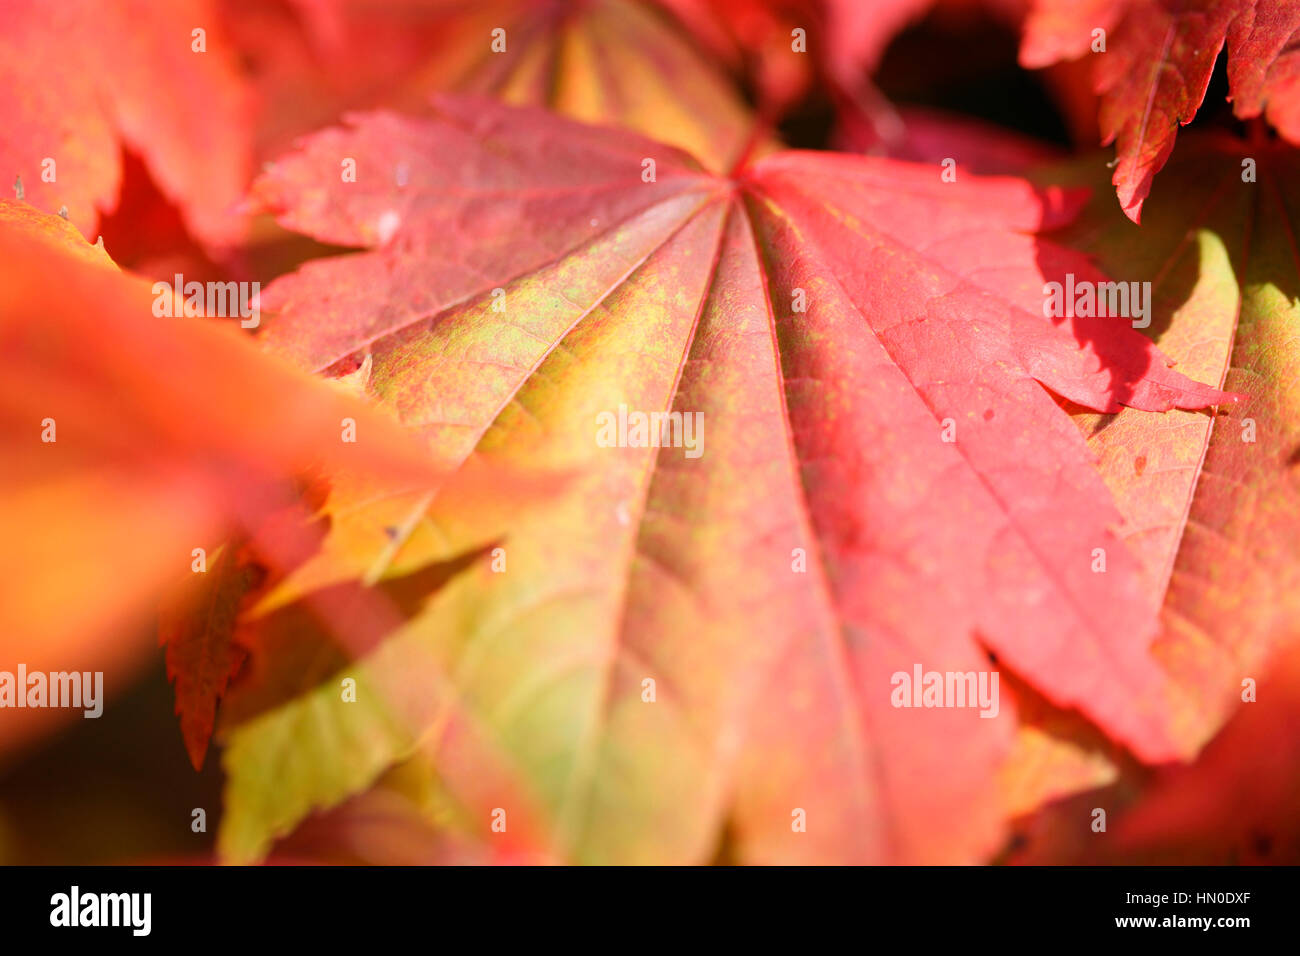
{"points": [[652, 431]]}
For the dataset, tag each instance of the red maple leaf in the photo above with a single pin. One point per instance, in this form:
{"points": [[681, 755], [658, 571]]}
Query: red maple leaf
{"points": [[831, 318], [80, 81], [1154, 59]]}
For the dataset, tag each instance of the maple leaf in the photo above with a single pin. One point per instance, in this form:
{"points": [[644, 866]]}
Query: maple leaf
{"points": [[829, 317], [1214, 504], [82, 80], [129, 440], [197, 626], [1156, 67], [1211, 506], [617, 61]]}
